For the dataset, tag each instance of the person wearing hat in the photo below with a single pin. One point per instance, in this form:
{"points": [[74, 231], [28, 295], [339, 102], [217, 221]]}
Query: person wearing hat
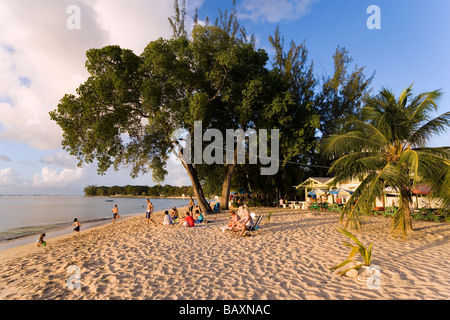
{"points": [[174, 213]]}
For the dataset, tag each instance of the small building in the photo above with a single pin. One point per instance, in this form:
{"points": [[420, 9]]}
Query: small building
{"points": [[325, 184]]}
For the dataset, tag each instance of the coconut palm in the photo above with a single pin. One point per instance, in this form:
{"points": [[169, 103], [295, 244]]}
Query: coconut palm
{"points": [[387, 148]]}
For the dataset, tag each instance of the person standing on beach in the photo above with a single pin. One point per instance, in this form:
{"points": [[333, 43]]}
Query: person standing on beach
{"points": [[115, 212], [191, 205], [149, 212], [77, 225]]}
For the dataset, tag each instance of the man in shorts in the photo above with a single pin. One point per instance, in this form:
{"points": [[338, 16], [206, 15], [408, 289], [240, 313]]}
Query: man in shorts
{"points": [[115, 212], [149, 212]]}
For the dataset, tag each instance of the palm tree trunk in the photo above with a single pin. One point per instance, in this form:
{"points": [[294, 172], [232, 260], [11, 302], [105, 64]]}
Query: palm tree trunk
{"points": [[402, 222], [406, 209]]}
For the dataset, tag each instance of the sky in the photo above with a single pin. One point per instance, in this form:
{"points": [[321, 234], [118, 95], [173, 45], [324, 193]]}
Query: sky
{"points": [[42, 58]]}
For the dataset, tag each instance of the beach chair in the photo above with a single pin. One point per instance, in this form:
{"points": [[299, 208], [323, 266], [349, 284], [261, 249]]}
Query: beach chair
{"points": [[257, 223], [315, 206]]}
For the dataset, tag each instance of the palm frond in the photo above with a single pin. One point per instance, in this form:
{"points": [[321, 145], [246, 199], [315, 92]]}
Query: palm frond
{"points": [[435, 126]]}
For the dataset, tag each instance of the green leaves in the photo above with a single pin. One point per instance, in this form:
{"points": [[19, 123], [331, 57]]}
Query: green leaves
{"points": [[365, 253], [387, 150]]}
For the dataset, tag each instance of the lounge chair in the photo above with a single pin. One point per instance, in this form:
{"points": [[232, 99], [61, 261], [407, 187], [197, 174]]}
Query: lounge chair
{"points": [[254, 227], [257, 223]]}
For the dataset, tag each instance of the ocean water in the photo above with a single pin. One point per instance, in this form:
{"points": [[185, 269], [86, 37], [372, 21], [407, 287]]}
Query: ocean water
{"points": [[23, 216]]}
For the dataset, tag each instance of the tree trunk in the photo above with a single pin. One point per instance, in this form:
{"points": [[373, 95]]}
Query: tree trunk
{"points": [[203, 204], [403, 222], [227, 181], [226, 186], [407, 215]]}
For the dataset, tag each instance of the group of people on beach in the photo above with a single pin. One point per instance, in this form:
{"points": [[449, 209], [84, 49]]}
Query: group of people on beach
{"points": [[173, 218], [189, 220]]}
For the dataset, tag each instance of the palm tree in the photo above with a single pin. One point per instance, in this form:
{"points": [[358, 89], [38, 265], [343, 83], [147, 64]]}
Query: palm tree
{"points": [[387, 148]]}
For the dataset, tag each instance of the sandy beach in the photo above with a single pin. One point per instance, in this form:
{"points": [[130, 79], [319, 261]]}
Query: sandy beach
{"points": [[288, 258]]}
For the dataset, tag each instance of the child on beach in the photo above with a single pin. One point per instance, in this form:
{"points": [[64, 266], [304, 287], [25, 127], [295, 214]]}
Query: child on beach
{"points": [[115, 212], [233, 221], [174, 214], [198, 217], [77, 225], [41, 241], [167, 219]]}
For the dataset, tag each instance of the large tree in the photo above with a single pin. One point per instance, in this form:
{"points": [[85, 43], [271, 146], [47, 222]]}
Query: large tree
{"points": [[388, 148], [128, 109], [339, 97]]}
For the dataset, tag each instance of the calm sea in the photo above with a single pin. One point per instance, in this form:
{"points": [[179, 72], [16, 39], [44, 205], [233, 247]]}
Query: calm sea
{"points": [[22, 216]]}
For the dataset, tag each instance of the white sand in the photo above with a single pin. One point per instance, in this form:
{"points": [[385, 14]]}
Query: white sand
{"points": [[288, 258]]}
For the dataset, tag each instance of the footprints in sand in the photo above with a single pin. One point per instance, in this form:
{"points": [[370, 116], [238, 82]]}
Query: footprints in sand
{"points": [[289, 259]]}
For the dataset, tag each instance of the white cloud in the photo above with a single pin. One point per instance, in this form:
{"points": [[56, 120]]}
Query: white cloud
{"points": [[41, 59], [50, 178], [61, 158], [10, 177], [274, 11]]}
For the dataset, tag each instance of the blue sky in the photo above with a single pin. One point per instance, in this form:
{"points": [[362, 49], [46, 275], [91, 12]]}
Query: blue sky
{"points": [[41, 60]]}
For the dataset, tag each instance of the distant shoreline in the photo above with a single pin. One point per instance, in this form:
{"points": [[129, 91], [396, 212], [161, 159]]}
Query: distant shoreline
{"points": [[141, 197], [81, 195]]}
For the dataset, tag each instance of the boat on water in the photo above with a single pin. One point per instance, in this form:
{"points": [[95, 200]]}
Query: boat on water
{"points": [[109, 200]]}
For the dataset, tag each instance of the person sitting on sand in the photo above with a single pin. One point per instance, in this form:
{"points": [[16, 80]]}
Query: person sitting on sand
{"points": [[245, 223], [41, 241], [233, 221], [175, 215], [198, 217], [77, 225], [167, 219], [188, 221]]}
